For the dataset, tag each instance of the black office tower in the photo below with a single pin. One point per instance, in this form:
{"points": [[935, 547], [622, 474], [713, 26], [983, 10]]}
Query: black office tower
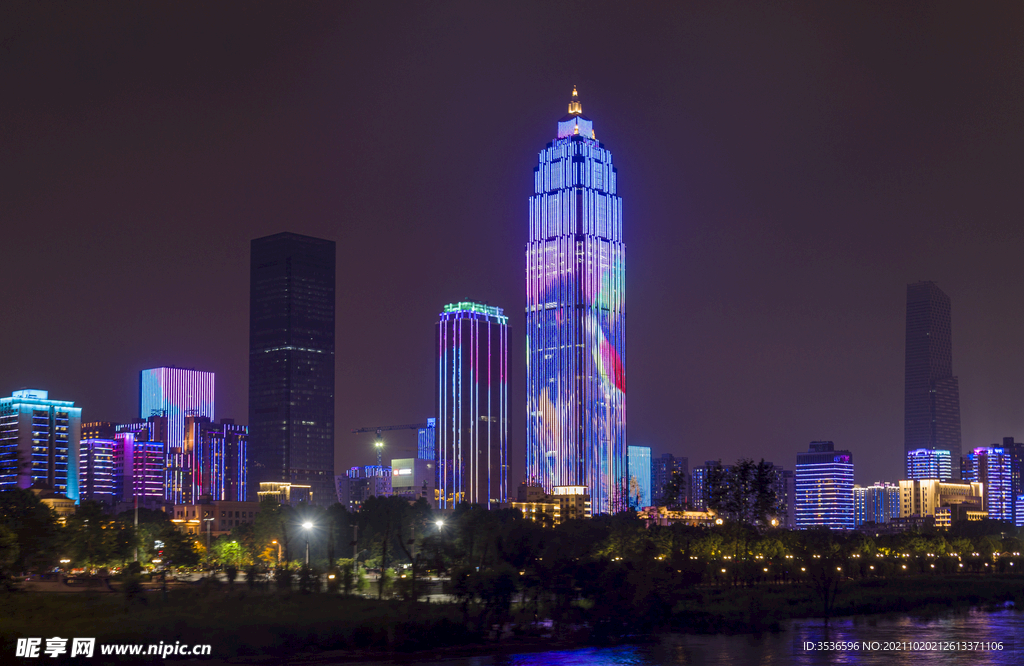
{"points": [[932, 393], [291, 363]]}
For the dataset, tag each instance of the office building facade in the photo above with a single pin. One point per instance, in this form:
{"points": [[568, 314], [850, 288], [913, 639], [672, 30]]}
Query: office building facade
{"points": [[823, 480], [425, 438], [576, 319], [291, 363], [96, 471], [176, 394], [640, 491], [139, 469], [39, 442], [471, 437], [929, 464], [217, 455], [992, 467], [931, 392]]}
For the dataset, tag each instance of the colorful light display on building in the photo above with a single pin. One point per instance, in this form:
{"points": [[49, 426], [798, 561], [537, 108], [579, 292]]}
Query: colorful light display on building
{"points": [[576, 319], [96, 470], [471, 434], [176, 393], [39, 441], [640, 477], [929, 464], [992, 466]]}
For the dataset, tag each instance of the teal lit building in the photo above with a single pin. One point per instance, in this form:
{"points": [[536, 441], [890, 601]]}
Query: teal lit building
{"points": [[39, 440], [640, 477]]}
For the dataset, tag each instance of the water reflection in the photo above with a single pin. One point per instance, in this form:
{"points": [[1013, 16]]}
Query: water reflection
{"points": [[787, 647]]}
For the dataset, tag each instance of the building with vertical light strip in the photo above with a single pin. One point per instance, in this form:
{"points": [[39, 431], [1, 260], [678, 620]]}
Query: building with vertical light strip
{"points": [[878, 503], [96, 470], [217, 457], [992, 467], [471, 433], [824, 488], [640, 477], [177, 393], [39, 441], [291, 364], [576, 319], [139, 469]]}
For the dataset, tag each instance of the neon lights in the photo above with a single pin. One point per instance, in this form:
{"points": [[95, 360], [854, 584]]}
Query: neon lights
{"points": [[576, 321], [824, 488], [39, 441], [471, 433]]}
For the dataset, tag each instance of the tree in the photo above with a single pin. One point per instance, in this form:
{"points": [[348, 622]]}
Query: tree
{"points": [[34, 525], [675, 491]]}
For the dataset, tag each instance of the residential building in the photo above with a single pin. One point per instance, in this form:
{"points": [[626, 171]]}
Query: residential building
{"points": [[929, 464], [878, 503], [662, 470]]}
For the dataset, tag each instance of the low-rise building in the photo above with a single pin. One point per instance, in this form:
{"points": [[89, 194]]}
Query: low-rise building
{"points": [[945, 501], [564, 503], [661, 516], [213, 518]]}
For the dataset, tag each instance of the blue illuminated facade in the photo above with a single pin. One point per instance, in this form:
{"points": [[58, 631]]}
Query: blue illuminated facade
{"points": [[640, 477], [824, 488], [576, 319], [471, 437], [992, 466], [929, 464], [39, 440], [425, 440], [878, 503]]}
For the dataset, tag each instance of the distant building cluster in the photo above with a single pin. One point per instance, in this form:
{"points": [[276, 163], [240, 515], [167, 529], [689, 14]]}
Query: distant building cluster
{"points": [[211, 474]]}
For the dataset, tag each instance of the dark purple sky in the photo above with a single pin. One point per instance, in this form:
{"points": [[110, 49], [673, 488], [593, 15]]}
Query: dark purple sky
{"points": [[786, 169]]}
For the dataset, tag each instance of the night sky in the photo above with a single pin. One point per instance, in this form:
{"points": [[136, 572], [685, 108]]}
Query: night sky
{"points": [[786, 169]]}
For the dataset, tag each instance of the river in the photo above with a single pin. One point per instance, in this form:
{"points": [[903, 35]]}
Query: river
{"points": [[942, 639]]}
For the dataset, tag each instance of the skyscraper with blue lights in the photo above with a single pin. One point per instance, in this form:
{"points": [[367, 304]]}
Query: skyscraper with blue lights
{"points": [[39, 440], [824, 488], [471, 434], [576, 319], [177, 393]]}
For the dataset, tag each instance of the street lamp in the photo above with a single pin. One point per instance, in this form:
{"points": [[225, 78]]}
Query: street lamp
{"points": [[278, 551], [307, 526]]}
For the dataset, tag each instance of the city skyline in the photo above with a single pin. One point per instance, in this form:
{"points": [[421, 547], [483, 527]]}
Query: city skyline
{"points": [[778, 191]]}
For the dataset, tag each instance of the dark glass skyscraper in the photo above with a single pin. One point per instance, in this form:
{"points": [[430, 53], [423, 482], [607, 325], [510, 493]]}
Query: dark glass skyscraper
{"points": [[932, 393], [576, 319], [291, 363]]}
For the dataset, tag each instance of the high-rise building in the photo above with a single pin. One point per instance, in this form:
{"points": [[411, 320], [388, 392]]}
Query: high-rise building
{"points": [[699, 485], [361, 483], [929, 464], [139, 469], [931, 392], [96, 470], [824, 488], [425, 440], [1016, 452], [992, 466], [291, 363], [217, 455], [576, 319], [662, 470], [878, 503], [471, 437], [176, 393], [640, 494], [39, 441]]}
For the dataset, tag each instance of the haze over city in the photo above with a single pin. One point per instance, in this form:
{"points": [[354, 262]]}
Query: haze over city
{"points": [[785, 173]]}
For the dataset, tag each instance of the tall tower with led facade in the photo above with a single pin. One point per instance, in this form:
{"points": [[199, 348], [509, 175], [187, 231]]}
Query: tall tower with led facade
{"points": [[576, 319], [471, 435]]}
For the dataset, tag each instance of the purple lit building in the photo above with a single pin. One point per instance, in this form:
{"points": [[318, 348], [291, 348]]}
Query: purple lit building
{"points": [[216, 454], [471, 433], [139, 467], [576, 319], [176, 393]]}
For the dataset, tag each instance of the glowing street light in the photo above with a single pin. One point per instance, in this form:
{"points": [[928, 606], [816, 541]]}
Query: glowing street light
{"points": [[307, 526]]}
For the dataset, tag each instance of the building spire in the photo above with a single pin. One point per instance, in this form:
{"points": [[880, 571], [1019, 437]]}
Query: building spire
{"points": [[574, 104]]}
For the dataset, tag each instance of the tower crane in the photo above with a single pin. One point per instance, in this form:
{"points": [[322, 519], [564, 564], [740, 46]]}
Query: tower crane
{"points": [[379, 442]]}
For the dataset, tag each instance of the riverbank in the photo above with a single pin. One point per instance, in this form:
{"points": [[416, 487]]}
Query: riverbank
{"points": [[259, 627]]}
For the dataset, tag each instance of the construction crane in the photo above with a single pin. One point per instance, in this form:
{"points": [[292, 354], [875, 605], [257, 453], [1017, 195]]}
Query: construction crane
{"points": [[379, 442]]}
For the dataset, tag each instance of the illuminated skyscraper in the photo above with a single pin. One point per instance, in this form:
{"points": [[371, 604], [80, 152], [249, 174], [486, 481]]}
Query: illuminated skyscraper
{"points": [[640, 477], [39, 441], [824, 488], [931, 396], [176, 393], [218, 459], [139, 469], [291, 363], [576, 319], [96, 470], [471, 437]]}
